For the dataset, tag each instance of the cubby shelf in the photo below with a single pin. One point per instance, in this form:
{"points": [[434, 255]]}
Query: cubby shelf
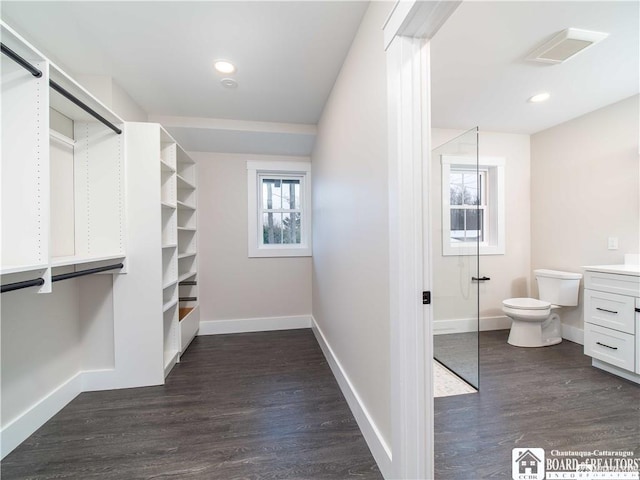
{"points": [[166, 167], [168, 205], [184, 206], [187, 229], [186, 255], [170, 245], [183, 183], [184, 276], [170, 304]]}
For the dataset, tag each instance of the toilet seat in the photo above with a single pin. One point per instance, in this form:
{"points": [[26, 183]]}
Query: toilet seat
{"points": [[526, 304]]}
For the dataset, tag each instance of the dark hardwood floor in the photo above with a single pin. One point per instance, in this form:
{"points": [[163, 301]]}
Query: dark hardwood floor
{"points": [[246, 406], [548, 398]]}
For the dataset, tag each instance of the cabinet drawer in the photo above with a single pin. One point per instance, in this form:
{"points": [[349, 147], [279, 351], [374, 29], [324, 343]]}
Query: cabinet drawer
{"points": [[612, 283], [610, 310], [610, 346]]}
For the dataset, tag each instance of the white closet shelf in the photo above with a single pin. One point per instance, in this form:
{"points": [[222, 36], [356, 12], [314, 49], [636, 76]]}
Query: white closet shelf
{"points": [[170, 245], [183, 183], [170, 304], [184, 276], [185, 255], [81, 259], [168, 205], [184, 206], [9, 269], [170, 283], [166, 167], [186, 229]]}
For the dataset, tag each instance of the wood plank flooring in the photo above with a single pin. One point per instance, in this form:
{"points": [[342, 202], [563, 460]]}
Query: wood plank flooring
{"points": [[246, 406], [548, 398]]}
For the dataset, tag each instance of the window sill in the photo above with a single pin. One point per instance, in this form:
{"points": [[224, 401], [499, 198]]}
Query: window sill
{"points": [[266, 252]]}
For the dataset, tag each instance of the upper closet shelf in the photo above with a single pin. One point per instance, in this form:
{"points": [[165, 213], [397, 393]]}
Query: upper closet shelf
{"points": [[82, 259], [8, 270]]}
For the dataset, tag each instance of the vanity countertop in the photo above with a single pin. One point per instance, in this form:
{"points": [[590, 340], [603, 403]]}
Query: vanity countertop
{"points": [[621, 269]]}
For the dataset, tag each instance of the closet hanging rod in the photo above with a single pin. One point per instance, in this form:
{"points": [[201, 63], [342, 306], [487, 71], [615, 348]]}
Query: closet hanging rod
{"points": [[10, 287], [188, 299], [89, 271], [83, 106], [21, 61]]}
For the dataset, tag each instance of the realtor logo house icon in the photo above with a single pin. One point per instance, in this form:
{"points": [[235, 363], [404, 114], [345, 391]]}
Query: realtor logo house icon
{"points": [[528, 463]]}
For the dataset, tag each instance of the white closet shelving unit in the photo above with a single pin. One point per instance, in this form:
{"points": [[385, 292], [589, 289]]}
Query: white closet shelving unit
{"points": [[189, 312], [62, 216], [162, 240], [62, 198]]}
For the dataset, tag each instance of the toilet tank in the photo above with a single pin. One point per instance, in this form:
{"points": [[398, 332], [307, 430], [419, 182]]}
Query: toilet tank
{"points": [[558, 288]]}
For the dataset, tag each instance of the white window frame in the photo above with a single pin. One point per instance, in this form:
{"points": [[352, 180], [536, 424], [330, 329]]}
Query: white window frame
{"points": [[494, 212], [256, 170]]}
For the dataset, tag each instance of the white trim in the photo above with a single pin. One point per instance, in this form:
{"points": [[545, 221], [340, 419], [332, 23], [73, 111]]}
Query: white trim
{"points": [[255, 247], [463, 325], [409, 114], [417, 18], [632, 377], [243, 325], [19, 429], [370, 431], [573, 334], [225, 124], [409, 258], [495, 188]]}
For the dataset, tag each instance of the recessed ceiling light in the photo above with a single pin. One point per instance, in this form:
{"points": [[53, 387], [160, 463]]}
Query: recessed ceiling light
{"points": [[224, 66], [229, 83], [540, 97]]}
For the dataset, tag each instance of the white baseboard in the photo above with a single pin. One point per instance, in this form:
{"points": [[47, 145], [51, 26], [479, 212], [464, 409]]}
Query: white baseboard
{"points": [[573, 334], [379, 448], [244, 325], [463, 325], [18, 430]]}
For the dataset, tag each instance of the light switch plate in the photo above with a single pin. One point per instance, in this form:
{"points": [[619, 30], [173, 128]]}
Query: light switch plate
{"points": [[613, 243]]}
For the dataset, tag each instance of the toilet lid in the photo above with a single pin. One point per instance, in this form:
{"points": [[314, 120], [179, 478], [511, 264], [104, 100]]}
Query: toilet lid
{"points": [[526, 303]]}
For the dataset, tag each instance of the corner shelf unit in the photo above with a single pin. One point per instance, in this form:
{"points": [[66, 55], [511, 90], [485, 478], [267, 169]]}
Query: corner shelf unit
{"points": [[62, 198], [163, 237]]}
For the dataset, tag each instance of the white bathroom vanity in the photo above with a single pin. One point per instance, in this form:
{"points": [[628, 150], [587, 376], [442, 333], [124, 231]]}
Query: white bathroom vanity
{"points": [[612, 318]]}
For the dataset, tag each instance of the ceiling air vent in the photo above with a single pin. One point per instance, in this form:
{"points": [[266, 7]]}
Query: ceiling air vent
{"points": [[565, 45]]}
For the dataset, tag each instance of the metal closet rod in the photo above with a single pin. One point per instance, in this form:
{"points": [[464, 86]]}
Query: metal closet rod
{"points": [[21, 61], [69, 96], [9, 287]]}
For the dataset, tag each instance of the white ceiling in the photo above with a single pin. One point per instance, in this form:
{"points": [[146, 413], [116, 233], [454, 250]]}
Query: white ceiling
{"points": [[480, 76], [289, 54]]}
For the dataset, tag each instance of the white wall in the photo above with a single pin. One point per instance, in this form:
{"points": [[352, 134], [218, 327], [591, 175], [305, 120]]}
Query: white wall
{"points": [[510, 272], [585, 187], [41, 346], [351, 232], [231, 285], [105, 89]]}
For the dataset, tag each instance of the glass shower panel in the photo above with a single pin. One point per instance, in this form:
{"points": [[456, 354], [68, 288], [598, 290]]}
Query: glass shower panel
{"points": [[457, 229]]}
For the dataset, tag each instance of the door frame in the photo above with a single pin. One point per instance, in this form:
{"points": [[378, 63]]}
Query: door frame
{"points": [[406, 35]]}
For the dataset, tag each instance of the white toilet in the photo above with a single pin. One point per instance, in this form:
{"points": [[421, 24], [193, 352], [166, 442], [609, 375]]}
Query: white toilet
{"points": [[534, 324]]}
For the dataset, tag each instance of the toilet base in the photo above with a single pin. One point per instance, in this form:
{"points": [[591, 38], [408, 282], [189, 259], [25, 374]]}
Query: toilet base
{"points": [[532, 334]]}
